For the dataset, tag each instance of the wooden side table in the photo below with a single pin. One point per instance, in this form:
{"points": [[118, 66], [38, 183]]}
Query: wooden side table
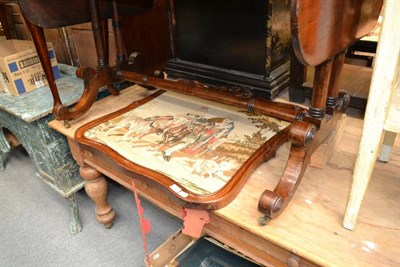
{"points": [[26, 117]]}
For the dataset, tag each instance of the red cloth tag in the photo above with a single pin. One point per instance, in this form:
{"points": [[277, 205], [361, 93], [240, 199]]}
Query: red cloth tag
{"points": [[193, 222], [144, 223]]}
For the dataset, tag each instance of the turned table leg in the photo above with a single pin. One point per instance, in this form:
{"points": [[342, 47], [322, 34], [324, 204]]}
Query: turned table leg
{"points": [[97, 188]]}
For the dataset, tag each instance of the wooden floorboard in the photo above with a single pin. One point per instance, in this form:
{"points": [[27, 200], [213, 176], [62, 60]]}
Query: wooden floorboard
{"points": [[311, 226]]}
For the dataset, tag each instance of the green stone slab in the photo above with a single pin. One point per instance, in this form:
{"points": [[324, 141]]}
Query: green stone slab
{"points": [[39, 103]]}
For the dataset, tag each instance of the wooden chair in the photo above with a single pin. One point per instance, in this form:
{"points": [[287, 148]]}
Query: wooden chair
{"points": [[321, 32]]}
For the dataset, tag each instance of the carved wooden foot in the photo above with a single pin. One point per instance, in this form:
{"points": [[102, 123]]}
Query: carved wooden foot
{"points": [[97, 188], [272, 203]]}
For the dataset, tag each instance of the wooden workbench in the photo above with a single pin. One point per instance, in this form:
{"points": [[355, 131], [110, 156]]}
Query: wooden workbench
{"points": [[310, 228]]}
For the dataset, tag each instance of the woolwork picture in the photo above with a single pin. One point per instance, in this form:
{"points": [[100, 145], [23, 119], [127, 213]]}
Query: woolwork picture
{"points": [[199, 144]]}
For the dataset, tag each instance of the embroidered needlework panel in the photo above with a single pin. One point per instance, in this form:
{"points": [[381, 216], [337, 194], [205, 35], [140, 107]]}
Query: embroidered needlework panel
{"points": [[198, 143]]}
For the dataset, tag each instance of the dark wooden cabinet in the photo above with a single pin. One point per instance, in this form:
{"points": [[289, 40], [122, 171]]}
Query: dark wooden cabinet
{"points": [[232, 43]]}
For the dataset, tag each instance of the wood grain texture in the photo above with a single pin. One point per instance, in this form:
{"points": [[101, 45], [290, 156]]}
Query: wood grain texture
{"points": [[323, 28], [311, 224], [310, 227], [325, 150], [382, 87], [240, 98]]}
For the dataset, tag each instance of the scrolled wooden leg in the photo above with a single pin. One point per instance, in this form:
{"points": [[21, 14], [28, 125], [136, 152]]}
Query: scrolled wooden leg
{"points": [[94, 80], [272, 203], [97, 188]]}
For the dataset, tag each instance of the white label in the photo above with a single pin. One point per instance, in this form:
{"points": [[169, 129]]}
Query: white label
{"points": [[39, 84], [175, 188]]}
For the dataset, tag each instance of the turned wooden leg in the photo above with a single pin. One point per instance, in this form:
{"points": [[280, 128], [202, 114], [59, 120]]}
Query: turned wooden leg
{"points": [[97, 188], [335, 78], [119, 43], [320, 90]]}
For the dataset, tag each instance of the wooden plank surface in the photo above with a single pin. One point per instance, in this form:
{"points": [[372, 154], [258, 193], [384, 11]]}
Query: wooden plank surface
{"points": [[311, 225]]}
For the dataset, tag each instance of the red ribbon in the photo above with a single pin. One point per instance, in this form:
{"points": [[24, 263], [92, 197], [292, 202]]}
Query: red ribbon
{"points": [[144, 223]]}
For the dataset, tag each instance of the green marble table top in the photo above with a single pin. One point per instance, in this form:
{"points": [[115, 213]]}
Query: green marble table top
{"points": [[38, 103]]}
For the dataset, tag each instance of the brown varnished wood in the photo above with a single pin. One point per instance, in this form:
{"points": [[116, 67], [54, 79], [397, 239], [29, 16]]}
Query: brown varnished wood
{"points": [[41, 48], [147, 33], [321, 52], [96, 187], [244, 99], [93, 81], [273, 203], [99, 152], [320, 89], [60, 13], [98, 33], [116, 23], [323, 28], [104, 26], [321, 32], [335, 79]]}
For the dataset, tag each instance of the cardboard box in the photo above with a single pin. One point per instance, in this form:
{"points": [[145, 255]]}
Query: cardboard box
{"points": [[20, 67], [185, 251]]}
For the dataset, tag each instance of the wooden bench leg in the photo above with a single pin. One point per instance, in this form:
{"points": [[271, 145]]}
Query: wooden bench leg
{"points": [[97, 188], [75, 225]]}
